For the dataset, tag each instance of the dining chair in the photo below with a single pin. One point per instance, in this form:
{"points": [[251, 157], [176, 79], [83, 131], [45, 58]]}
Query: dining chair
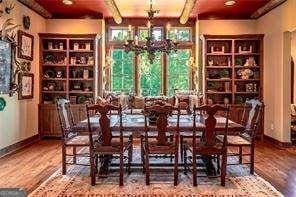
{"points": [[70, 138], [207, 145], [251, 118], [108, 145], [160, 145]]}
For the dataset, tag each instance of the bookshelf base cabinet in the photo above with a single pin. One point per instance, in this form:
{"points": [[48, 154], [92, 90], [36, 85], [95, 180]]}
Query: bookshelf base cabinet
{"points": [[49, 125]]}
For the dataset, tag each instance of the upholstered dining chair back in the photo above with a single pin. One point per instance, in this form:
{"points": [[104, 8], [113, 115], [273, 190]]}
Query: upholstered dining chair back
{"points": [[65, 116], [252, 116], [102, 113]]}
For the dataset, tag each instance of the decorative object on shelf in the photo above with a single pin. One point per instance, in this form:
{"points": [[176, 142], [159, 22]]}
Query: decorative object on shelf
{"points": [[229, 61], [227, 86], [76, 46], [91, 61], [210, 62], [26, 86], [5, 67], [151, 46], [73, 99], [26, 22], [49, 46], [82, 99], [87, 46], [59, 74], [49, 73], [226, 101], [239, 100], [224, 73], [2, 103], [250, 62], [245, 73], [83, 60], [217, 49], [51, 86], [251, 87], [61, 46], [26, 45], [245, 49], [77, 86], [85, 74], [238, 62]]}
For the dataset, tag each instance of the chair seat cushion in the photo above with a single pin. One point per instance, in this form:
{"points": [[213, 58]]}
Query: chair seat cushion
{"points": [[234, 140], [155, 148], [115, 145], [202, 148], [78, 140]]}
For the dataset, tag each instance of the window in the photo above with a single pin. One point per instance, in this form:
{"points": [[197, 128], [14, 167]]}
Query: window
{"points": [[122, 70], [118, 34], [180, 34], [150, 77], [178, 71], [157, 33]]}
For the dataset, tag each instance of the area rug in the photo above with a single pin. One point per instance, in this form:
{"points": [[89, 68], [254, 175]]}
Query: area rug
{"points": [[77, 183]]}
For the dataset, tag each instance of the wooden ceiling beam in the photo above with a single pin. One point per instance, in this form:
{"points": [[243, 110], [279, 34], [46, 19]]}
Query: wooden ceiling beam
{"points": [[266, 8], [114, 11], [187, 9], [32, 4]]}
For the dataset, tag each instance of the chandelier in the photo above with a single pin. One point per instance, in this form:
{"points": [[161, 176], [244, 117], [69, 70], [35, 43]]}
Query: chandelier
{"points": [[151, 46]]}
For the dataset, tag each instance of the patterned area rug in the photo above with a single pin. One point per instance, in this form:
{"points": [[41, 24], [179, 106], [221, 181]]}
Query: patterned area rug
{"points": [[77, 183]]}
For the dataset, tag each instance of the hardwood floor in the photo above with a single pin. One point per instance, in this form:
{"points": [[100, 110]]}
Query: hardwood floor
{"points": [[30, 166]]}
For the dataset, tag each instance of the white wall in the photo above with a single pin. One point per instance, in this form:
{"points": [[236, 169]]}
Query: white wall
{"points": [[19, 120], [276, 72]]}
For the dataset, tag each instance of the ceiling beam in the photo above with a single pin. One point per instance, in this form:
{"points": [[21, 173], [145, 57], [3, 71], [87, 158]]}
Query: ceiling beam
{"points": [[266, 8], [188, 6], [32, 4], [114, 11]]}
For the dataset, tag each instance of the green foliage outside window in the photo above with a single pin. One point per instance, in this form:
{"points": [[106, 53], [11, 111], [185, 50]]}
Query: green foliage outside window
{"points": [[143, 33], [150, 79], [179, 34], [119, 34], [178, 71], [122, 71]]}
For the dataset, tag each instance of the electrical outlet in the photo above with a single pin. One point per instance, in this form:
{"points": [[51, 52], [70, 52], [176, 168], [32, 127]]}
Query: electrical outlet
{"points": [[272, 126]]}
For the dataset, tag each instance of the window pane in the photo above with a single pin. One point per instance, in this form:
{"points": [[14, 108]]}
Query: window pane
{"points": [[178, 71], [118, 34], [143, 33], [122, 70], [179, 34], [150, 78]]}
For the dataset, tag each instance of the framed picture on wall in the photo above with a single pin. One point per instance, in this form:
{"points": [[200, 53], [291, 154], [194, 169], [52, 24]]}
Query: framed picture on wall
{"points": [[26, 86], [26, 43], [5, 67]]}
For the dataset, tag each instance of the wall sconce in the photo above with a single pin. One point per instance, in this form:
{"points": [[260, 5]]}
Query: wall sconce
{"points": [[189, 4], [114, 11]]}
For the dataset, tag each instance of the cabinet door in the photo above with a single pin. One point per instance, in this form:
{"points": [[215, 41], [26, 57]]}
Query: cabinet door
{"points": [[48, 121]]}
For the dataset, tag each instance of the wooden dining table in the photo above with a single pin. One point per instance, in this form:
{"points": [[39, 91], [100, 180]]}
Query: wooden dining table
{"points": [[135, 124]]}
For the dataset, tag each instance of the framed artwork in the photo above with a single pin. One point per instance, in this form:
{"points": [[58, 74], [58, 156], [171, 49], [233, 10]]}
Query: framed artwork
{"points": [[26, 86], [5, 67], [26, 43]]}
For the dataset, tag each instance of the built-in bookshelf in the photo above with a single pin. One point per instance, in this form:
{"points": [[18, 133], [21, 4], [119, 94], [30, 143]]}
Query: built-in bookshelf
{"points": [[67, 67], [233, 68]]}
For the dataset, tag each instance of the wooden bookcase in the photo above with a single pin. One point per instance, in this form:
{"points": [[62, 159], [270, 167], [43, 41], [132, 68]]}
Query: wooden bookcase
{"points": [[68, 65], [233, 70]]}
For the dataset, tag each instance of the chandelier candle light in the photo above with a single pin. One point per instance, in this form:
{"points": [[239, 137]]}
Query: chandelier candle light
{"points": [[151, 45]]}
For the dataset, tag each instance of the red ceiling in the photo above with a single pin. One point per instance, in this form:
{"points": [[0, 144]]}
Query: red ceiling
{"points": [[204, 9]]}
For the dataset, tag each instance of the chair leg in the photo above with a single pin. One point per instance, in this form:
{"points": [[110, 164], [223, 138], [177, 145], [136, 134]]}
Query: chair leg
{"points": [[142, 154], [92, 169], [121, 170], [147, 169], [223, 168], [181, 148], [194, 173], [176, 172], [96, 163], [130, 158], [252, 159], [185, 159], [64, 167], [74, 155], [171, 140], [240, 154], [218, 164]]}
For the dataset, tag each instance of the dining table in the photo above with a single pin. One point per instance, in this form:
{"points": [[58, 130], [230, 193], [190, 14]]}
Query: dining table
{"points": [[135, 124]]}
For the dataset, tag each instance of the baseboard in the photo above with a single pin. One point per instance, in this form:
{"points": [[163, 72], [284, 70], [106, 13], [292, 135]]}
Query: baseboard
{"points": [[19, 145], [277, 143]]}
